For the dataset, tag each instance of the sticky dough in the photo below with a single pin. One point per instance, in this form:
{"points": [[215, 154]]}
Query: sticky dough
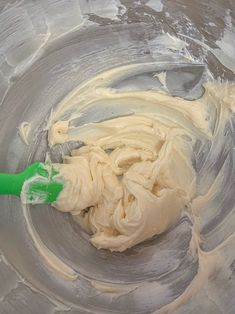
{"points": [[134, 181], [134, 175]]}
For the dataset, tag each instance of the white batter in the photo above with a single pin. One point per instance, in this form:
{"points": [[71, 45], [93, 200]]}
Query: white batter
{"points": [[135, 179], [134, 175]]}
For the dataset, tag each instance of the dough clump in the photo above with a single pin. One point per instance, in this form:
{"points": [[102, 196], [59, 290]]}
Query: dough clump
{"points": [[129, 182]]}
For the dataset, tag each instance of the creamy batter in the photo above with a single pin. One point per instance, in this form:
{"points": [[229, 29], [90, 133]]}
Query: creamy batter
{"points": [[134, 175]]}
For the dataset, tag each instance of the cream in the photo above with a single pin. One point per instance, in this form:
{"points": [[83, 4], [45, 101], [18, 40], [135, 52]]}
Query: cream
{"points": [[134, 175], [135, 181]]}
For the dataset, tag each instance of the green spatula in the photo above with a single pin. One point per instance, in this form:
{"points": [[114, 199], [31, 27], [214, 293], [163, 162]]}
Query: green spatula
{"points": [[36, 184]]}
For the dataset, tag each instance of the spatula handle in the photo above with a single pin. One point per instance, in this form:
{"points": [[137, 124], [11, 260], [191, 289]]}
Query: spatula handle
{"points": [[10, 184]]}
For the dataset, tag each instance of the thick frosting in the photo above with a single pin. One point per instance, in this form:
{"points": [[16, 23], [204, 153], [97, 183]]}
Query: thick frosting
{"points": [[134, 174], [135, 181]]}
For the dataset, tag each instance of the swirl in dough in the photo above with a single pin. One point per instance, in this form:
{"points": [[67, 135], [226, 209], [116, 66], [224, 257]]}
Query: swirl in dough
{"points": [[135, 181]]}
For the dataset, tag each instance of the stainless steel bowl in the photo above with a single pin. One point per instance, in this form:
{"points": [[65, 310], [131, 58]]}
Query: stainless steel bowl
{"points": [[47, 49]]}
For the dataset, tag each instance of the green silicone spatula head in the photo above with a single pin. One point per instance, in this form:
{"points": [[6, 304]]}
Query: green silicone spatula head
{"points": [[36, 184]]}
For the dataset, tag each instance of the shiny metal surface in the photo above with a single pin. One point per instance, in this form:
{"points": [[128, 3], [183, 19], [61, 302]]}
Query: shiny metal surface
{"points": [[47, 49]]}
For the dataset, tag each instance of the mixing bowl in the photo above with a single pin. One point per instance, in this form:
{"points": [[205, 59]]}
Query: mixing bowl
{"points": [[48, 48]]}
